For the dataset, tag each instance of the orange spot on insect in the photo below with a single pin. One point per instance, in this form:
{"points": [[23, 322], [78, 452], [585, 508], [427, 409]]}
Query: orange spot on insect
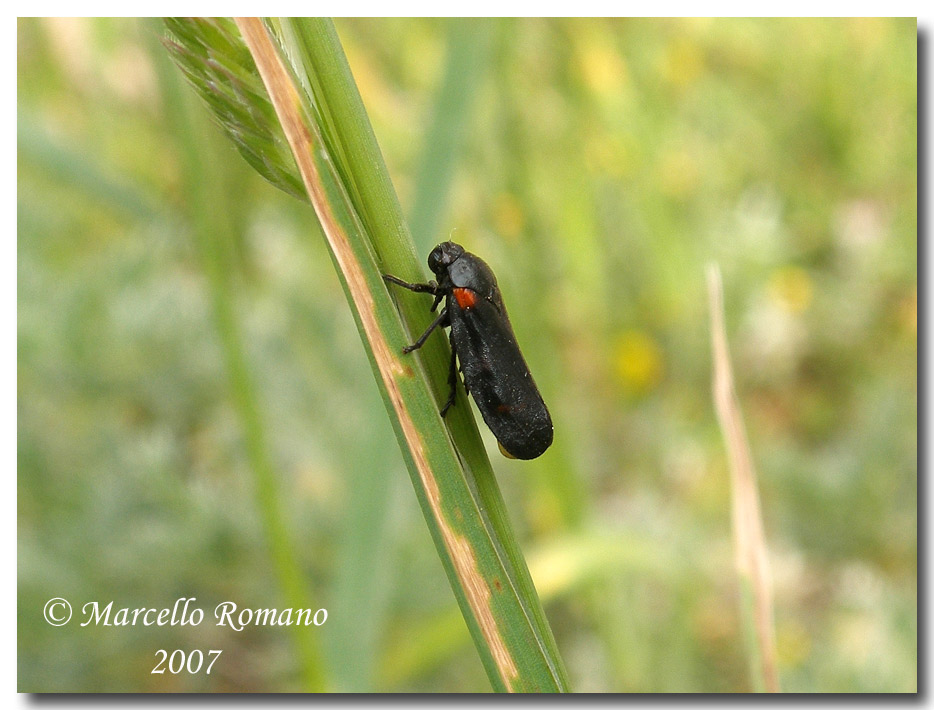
{"points": [[465, 297], [502, 408]]}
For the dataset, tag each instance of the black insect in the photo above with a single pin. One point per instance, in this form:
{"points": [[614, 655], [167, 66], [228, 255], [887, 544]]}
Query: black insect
{"points": [[494, 370]]}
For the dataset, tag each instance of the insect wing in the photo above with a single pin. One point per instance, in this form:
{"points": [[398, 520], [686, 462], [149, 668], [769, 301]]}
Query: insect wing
{"points": [[499, 379]]}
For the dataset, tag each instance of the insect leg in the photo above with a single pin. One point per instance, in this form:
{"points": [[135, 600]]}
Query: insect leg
{"points": [[440, 320], [452, 381], [430, 287]]}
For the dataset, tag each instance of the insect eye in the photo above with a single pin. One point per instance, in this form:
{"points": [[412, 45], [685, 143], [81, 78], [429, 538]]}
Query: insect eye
{"points": [[434, 260]]}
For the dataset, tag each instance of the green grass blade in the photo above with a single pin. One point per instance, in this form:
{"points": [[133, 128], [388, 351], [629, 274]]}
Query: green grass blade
{"points": [[337, 99], [344, 174], [364, 573]]}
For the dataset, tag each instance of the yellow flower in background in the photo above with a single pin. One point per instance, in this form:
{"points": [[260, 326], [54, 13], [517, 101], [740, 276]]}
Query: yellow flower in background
{"points": [[792, 287], [639, 361], [603, 69]]}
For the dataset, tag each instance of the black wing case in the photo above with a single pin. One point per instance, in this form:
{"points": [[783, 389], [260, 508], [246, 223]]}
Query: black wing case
{"points": [[499, 380]]}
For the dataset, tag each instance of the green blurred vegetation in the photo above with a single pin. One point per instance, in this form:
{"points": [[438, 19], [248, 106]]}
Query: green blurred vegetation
{"points": [[597, 166]]}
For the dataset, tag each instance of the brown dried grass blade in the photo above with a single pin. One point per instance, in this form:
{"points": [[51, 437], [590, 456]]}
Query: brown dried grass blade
{"points": [[748, 535]]}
